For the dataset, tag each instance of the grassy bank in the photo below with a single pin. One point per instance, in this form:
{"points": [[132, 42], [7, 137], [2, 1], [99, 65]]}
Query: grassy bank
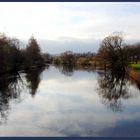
{"points": [[135, 66]]}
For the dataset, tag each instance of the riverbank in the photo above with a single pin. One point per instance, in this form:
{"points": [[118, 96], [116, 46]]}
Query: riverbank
{"points": [[135, 66]]}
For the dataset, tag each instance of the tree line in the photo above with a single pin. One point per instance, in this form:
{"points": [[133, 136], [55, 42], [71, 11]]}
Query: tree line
{"points": [[116, 55], [113, 53], [13, 58]]}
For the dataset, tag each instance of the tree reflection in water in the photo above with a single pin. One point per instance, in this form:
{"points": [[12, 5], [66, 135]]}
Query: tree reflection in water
{"points": [[113, 86], [67, 70], [12, 88], [33, 79]]}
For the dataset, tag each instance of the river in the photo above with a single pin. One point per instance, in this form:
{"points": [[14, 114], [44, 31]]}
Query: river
{"points": [[56, 101]]}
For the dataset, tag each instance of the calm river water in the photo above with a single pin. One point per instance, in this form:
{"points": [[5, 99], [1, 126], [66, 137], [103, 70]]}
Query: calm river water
{"points": [[65, 102]]}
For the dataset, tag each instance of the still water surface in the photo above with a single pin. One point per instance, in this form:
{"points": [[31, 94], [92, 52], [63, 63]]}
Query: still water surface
{"points": [[60, 102]]}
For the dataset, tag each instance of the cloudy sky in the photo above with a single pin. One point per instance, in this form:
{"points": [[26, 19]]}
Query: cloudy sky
{"points": [[70, 26]]}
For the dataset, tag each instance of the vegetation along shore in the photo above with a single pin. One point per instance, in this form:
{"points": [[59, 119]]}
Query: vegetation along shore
{"points": [[113, 54]]}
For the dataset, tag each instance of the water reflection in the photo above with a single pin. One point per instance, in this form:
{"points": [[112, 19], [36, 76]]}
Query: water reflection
{"points": [[69, 70], [33, 79], [13, 86], [114, 86], [68, 106], [10, 88]]}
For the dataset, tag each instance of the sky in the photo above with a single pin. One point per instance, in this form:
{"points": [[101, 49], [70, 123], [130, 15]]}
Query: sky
{"points": [[75, 26]]}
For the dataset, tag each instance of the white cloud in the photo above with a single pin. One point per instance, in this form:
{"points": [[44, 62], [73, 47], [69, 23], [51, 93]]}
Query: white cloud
{"points": [[78, 21]]}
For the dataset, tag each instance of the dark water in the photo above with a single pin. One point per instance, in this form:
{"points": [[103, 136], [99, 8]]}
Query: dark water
{"points": [[67, 102]]}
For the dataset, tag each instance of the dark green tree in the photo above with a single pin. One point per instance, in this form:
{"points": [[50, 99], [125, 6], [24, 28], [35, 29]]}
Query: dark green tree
{"points": [[33, 54], [9, 54]]}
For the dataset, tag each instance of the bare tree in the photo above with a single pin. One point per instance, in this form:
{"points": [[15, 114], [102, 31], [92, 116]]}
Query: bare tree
{"points": [[111, 52]]}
